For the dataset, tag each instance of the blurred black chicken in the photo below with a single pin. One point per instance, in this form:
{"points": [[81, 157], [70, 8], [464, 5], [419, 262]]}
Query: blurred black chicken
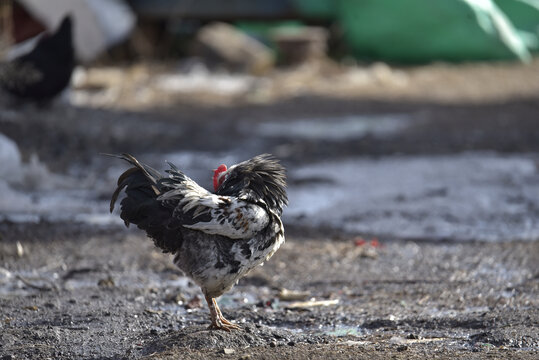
{"points": [[45, 71], [216, 237]]}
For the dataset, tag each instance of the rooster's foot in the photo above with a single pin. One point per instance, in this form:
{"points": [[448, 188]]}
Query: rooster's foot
{"points": [[218, 321]]}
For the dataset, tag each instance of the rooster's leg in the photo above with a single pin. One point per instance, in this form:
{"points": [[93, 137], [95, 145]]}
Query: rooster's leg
{"points": [[218, 321], [222, 318]]}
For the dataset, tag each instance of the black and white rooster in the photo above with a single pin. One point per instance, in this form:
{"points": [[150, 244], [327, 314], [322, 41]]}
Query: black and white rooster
{"points": [[218, 237]]}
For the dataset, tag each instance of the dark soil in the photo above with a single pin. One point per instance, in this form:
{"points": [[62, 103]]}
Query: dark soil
{"points": [[114, 296]]}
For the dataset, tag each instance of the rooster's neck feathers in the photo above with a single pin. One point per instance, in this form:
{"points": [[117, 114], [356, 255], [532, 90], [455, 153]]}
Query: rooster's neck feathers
{"points": [[260, 180]]}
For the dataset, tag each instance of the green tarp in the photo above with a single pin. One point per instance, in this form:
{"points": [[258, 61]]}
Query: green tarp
{"points": [[428, 30]]}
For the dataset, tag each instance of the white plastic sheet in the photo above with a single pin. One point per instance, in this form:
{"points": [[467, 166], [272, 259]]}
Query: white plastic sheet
{"points": [[98, 24]]}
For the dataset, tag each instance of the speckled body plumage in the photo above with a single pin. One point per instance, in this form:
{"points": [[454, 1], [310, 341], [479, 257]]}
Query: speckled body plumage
{"points": [[216, 238], [216, 263]]}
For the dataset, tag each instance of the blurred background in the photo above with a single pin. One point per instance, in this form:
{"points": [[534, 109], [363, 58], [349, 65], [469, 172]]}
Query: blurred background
{"points": [[410, 131], [412, 120]]}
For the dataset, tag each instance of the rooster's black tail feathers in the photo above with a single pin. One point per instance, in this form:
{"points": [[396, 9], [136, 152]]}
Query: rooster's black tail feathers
{"points": [[140, 177], [141, 207]]}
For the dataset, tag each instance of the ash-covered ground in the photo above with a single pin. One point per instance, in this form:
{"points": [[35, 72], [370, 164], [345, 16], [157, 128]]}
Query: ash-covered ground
{"points": [[411, 232]]}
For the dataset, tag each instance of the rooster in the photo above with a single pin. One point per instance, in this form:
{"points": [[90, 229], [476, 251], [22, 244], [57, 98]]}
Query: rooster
{"points": [[216, 238]]}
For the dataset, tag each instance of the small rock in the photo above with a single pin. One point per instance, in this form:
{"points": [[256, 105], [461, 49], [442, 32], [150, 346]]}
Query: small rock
{"points": [[194, 303], [273, 344], [402, 348], [412, 336], [108, 282], [176, 298], [152, 311], [291, 343], [228, 351], [293, 295], [245, 357]]}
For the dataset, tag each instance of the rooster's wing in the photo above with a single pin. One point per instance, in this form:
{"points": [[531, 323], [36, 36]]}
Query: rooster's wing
{"points": [[198, 209]]}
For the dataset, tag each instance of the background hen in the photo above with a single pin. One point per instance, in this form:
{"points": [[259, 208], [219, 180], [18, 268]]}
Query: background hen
{"points": [[43, 72]]}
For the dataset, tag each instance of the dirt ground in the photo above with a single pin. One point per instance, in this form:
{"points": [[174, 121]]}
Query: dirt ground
{"points": [[73, 290], [112, 295]]}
